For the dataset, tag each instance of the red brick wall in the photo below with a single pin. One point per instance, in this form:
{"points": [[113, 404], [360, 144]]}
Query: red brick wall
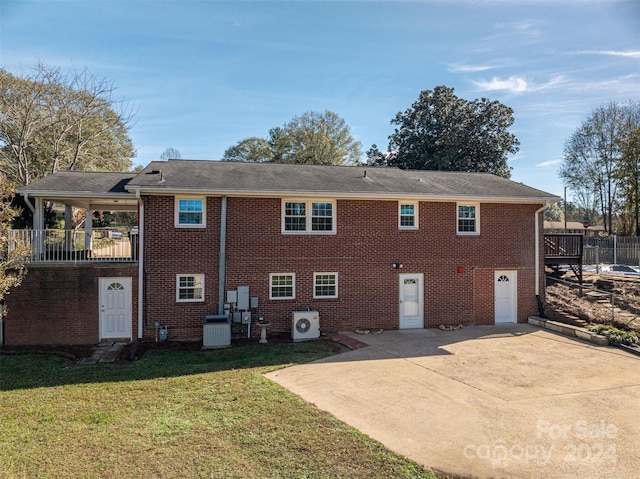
{"points": [[170, 251], [367, 242], [58, 304]]}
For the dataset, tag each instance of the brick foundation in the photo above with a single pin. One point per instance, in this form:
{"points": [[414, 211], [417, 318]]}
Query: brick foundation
{"points": [[58, 304]]}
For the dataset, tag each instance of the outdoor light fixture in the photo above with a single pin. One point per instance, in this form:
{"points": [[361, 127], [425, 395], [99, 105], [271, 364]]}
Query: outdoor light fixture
{"points": [[397, 265]]}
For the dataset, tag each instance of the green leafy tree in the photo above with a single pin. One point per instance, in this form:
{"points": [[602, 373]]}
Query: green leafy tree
{"points": [[441, 131], [51, 121], [554, 213], [312, 138], [375, 157], [13, 257], [252, 149]]}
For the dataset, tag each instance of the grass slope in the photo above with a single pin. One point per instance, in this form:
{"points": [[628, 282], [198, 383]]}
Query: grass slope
{"points": [[178, 414]]}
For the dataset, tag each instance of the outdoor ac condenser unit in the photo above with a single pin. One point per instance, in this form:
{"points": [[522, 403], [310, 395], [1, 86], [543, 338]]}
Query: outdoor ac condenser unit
{"points": [[216, 331], [305, 325]]}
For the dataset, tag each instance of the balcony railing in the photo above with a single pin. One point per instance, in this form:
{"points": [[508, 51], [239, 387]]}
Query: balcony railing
{"points": [[563, 246], [56, 246]]}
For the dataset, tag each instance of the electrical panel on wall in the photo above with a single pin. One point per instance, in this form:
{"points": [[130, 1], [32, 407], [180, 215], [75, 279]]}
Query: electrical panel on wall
{"points": [[243, 298]]}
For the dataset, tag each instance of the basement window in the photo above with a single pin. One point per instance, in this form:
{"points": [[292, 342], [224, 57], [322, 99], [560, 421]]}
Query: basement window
{"points": [[282, 286], [189, 288], [325, 285]]}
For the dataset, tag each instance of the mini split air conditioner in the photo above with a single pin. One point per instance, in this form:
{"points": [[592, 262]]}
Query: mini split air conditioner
{"points": [[305, 325]]}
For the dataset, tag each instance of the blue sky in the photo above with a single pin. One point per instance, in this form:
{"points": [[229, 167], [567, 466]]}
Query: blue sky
{"points": [[203, 75]]}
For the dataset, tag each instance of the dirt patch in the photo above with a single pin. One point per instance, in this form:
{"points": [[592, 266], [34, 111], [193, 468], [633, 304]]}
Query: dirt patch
{"points": [[592, 303]]}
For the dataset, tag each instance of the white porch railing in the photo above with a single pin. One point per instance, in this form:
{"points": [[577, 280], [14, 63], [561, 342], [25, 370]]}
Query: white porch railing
{"points": [[48, 246]]}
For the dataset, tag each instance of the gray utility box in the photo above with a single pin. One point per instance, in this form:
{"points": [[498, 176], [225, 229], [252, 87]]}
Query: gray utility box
{"points": [[216, 331]]}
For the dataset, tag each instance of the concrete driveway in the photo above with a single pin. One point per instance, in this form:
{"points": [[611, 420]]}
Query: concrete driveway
{"points": [[510, 401]]}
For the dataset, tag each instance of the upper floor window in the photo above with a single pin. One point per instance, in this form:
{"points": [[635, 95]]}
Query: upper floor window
{"points": [[305, 216], [189, 287], [408, 215], [468, 218], [190, 212]]}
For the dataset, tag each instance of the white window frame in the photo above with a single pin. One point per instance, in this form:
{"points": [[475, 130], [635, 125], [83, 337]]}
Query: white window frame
{"points": [[309, 216], [198, 284], [202, 224], [315, 284], [476, 232], [416, 207], [271, 286]]}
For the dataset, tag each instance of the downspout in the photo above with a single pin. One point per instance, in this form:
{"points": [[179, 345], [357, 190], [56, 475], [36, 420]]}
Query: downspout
{"points": [[223, 254], [28, 202], [140, 262], [537, 223]]}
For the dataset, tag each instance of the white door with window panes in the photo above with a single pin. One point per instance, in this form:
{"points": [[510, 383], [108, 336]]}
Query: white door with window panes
{"points": [[506, 297], [115, 308], [411, 301]]}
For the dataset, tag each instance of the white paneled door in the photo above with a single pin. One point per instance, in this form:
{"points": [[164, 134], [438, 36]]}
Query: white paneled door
{"points": [[411, 301], [506, 297], [115, 308]]}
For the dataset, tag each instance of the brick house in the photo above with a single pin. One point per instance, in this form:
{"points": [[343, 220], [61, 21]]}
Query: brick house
{"points": [[364, 247]]}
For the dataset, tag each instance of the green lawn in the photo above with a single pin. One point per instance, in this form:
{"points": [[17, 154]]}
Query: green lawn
{"points": [[178, 414]]}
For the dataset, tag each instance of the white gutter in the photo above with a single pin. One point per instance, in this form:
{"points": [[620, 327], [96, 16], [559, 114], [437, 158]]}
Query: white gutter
{"points": [[140, 263], [222, 258], [537, 223], [352, 195]]}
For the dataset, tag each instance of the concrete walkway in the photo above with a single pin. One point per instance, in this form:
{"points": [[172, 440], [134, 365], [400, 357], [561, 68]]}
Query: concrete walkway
{"points": [[510, 401], [105, 352]]}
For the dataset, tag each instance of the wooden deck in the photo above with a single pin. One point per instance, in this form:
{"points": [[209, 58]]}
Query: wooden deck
{"points": [[564, 250]]}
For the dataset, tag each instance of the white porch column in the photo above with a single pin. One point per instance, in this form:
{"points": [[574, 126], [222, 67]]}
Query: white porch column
{"points": [[88, 230], [38, 226], [68, 239]]}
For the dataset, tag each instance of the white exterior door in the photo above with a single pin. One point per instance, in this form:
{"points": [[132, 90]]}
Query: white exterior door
{"points": [[506, 296], [411, 301], [115, 308]]}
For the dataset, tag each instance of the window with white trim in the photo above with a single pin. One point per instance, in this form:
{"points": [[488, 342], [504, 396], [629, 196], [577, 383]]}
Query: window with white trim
{"points": [[408, 215], [468, 218], [189, 288], [190, 212], [325, 285], [308, 216], [282, 286]]}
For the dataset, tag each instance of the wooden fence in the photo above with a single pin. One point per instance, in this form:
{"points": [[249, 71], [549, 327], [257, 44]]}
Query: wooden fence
{"points": [[612, 250]]}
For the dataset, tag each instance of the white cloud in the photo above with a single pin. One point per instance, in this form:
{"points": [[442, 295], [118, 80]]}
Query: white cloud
{"points": [[544, 164], [516, 84], [461, 68], [512, 84], [614, 53]]}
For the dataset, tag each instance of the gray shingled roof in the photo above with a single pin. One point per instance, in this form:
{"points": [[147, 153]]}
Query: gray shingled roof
{"points": [[91, 182], [269, 178]]}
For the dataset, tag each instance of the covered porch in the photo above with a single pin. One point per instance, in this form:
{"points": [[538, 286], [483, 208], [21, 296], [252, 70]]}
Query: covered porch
{"points": [[78, 195]]}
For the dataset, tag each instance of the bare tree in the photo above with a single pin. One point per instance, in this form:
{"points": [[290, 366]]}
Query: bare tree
{"points": [[593, 157], [170, 154], [52, 121]]}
